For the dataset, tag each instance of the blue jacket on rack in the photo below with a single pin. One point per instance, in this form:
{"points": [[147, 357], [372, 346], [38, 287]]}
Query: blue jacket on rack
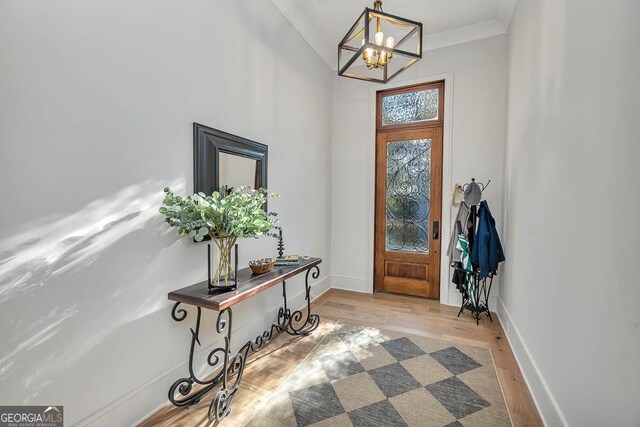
{"points": [[486, 252]]}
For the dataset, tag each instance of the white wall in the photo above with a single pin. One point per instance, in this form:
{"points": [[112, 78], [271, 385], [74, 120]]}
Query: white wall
{"points": [[478, 71], [570, 291], [97, 100]]}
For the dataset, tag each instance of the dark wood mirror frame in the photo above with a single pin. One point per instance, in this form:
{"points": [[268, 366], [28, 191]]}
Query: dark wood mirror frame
{"points": [[208, 143]]}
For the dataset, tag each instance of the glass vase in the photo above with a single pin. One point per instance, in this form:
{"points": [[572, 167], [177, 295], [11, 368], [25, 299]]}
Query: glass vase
{"points": [[224, 275]]}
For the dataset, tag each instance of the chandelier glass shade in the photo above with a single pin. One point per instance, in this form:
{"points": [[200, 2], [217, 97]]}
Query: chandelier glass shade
{"points": [[379, 46]]}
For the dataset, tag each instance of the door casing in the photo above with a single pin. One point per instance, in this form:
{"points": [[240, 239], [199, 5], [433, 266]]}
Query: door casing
{"points": [[406, 272]]}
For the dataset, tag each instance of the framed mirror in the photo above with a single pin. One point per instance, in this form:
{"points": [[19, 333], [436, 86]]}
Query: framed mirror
{"points": [[222, 161]]}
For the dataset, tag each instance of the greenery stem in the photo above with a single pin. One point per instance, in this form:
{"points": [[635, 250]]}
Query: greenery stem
{"points": [[224, 270]]}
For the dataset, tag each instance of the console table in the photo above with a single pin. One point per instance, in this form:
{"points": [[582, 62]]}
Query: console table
{"points": [[229, 369]]}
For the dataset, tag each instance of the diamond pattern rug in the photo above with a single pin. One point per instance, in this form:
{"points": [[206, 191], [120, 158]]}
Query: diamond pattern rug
{"points": [[363, 377]]}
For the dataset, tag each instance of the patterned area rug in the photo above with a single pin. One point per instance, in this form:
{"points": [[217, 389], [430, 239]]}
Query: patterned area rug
{"points": [[363, 377]]}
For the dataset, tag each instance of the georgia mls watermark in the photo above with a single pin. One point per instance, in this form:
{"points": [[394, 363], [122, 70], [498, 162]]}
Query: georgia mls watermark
{"points": [[31, 416]]}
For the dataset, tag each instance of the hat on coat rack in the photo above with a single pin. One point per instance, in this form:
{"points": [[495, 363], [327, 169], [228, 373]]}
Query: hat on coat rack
{"points": [[472, 193], [458, 195]]}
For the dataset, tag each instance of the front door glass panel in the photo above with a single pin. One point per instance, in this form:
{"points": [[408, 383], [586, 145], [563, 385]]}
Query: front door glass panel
{"points": [[408, 195]]}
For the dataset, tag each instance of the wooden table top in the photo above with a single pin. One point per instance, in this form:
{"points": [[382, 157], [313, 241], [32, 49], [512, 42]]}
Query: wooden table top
{"points": [[249, 284]]}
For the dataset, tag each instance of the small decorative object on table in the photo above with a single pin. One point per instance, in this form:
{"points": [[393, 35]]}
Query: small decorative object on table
{"points": [[262, 265], [278, 236], [288, 260], [224, 218], [280, 242]]}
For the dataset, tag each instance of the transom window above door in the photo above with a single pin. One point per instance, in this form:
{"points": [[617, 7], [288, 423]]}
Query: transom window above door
{"points": [[411, 107]]}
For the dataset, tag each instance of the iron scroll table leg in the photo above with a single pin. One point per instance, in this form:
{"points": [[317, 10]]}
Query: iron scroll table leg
{"points": [[229, 369], [191, 389], [297, 323]]}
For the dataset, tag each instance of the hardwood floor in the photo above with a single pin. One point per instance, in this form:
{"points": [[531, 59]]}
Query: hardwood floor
{"points": [[268, 368]]}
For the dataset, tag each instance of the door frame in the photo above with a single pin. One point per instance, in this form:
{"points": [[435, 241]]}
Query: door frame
{"points": [[447, 181]]}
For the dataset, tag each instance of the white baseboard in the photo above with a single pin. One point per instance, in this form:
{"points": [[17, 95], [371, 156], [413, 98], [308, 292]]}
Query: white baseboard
{"points": [[544, 400], [349, 283], [122, 411], [317, 289]]}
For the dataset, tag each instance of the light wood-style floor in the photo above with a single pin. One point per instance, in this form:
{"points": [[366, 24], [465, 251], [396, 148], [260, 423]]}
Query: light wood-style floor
{"points": [[268, 368]]}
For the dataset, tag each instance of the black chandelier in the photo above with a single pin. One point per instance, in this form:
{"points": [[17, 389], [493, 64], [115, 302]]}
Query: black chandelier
{"points": [[379, 46]]}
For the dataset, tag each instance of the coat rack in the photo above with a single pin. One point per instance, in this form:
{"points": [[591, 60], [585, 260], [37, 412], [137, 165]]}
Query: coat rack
{"points": [[476, 299]]}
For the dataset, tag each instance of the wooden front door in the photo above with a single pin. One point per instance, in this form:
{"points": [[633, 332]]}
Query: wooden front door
{"points": [[408, 192]]}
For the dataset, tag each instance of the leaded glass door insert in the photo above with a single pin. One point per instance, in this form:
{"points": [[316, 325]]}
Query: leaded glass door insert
{"points": [[408, 195]]}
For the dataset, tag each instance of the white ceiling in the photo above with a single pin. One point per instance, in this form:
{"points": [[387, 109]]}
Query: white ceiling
{"points": [[323, 23]]}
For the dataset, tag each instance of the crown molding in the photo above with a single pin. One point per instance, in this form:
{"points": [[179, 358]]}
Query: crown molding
{"points": [[461, 35]]}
